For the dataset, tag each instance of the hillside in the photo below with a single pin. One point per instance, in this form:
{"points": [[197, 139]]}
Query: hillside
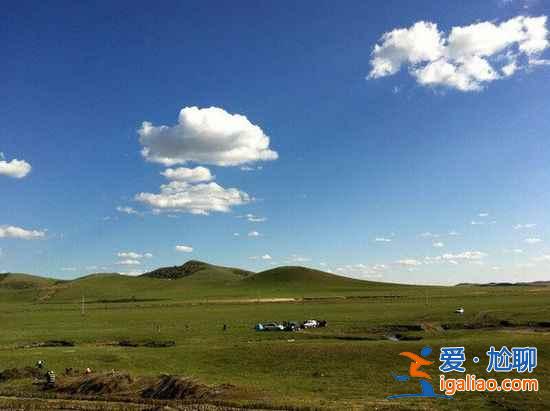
{"points": [[300, 275], [19, 281], [198, 269], [196, 280]]}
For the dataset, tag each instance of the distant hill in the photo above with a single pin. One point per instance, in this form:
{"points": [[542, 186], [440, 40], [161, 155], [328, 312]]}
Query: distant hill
{"points": [[290, 275], [19, 281], [198, 270], [526, 284]]}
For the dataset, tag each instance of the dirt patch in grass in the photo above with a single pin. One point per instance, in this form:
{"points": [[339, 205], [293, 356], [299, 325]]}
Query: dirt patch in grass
{"points": [[149, 344], [49, 343], [122, 385], [98, 384], [170, 387], [19, 373]]}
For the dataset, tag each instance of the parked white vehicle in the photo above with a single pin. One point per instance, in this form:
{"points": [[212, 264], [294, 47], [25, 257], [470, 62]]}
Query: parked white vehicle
{"points": [[459, 310], [311, 324]]}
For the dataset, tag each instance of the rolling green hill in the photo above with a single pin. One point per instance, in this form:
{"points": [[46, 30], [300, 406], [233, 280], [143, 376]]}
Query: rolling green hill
{"points": [[199, 269], [196, 280], [296, 275], [19, 281]]}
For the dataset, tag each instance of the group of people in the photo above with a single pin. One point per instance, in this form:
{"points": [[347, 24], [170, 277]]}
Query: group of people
{"points": [[50, 374]]}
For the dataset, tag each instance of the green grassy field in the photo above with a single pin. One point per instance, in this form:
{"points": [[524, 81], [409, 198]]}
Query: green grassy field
{"points": [[347, 365]]}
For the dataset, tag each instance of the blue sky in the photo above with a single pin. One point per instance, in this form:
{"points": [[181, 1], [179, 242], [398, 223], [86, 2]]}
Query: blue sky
{"points": [[404, 143]]}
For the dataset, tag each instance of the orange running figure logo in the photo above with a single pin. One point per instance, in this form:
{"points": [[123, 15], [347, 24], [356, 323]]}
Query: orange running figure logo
{"points": [[418, 361]]}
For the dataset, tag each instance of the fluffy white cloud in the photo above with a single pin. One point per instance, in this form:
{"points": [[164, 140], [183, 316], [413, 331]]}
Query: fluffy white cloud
{"points": [[467, 256], [409, 262], [129, 261], [14, 168], [132, 273], [184, 248], [438, 244], [524, 226], [428, 234], [382, 240], [254, 219], [190, 175], [514, 251], [9, 231], [295, 258], [209, 136], [264, 257], [133, 255], [126, 210], [466, 58], [203, 198], [254, 234], [248, 168], [532, 240], [362, 270]]}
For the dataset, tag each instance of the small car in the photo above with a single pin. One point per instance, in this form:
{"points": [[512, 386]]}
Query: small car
{"points": [[269, 327], [310, 324], [459, 310], [291, 326]]}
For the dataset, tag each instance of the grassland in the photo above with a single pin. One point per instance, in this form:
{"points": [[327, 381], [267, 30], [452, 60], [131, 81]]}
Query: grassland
{"points": [[347, 365]]}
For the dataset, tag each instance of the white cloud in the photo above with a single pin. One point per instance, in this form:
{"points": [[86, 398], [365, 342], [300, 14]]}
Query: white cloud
{"points": [[542, 258], [9, 231], [428, 234], [483, 215], [362, 270], [129, 261], [248, 168], [382, 240], [514, 251], [255, 219], [184, 248], [465, 59], [126, 210], [524, 226], [438, 244], [264, 257], [236, 234], [409, 262], [133, 255], [295, 258], [532, 240], [190, 175], [453, 233], [254, 234], [466, 256], [132, 273], [14, 168], [203, 198], [209, 136]]}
